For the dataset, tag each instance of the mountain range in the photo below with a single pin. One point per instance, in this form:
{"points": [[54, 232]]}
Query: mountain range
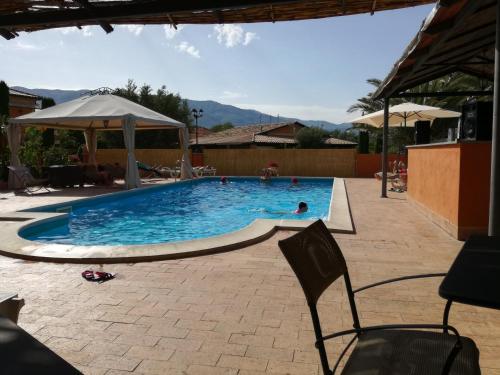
{"points": [[213, 112]]}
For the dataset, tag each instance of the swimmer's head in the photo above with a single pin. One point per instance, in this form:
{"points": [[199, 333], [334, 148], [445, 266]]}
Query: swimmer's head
{"points": [[302, 207], [295, 180], [223, 179]]}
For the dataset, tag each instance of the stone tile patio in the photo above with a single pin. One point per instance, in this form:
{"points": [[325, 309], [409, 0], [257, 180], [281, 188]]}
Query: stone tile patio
{"points": [[241, 312]]}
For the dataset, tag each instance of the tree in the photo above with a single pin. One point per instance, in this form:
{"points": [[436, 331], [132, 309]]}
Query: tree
{"points": [[164, 102], [222, 127], [312, 137]]}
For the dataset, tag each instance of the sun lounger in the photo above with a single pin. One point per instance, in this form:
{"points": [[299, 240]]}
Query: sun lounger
{"points": [[30, 184], [158, 171]]}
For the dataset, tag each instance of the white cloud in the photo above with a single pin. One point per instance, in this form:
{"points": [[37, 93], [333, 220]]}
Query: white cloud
{"points": [[86, 30], [304, 112], [233, 35], [185, 47], [27, 47], [171, 32], [248, 38], [232, 95], [133, 29]]}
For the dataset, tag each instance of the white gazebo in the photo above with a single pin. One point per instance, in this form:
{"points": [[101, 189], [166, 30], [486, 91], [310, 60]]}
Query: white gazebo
{"points": [[101, 111]]}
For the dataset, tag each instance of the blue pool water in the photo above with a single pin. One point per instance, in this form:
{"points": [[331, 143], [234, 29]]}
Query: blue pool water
{"points": [[183, 211]]}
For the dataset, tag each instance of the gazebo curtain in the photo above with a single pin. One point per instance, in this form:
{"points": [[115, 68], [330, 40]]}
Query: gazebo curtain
{"points": [[14, 140], [186, 168], [132, 175], [91, 143]]}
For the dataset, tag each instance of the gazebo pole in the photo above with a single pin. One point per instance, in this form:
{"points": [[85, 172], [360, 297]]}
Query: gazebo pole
{"points": [[385, 138], [494, 219]]}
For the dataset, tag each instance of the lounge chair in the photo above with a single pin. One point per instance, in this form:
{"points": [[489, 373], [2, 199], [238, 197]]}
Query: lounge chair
{"points": [[30, 184], [317, 261], [159, 171]]}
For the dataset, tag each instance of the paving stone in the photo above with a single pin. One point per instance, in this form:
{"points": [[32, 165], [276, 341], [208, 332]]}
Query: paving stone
{"points": [[244, 363], [116, 362]]}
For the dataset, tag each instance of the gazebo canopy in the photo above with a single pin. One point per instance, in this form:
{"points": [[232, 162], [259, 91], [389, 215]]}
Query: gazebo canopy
{"points": [[32, 15], [100, 111]]}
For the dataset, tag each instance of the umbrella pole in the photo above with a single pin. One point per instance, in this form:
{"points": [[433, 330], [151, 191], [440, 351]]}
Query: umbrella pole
{"points": [[385, 139], [494, 215]]}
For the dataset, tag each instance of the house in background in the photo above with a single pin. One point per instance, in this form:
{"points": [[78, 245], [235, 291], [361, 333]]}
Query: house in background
{"points": [[277, 135], [202, 132], [21, 103]]}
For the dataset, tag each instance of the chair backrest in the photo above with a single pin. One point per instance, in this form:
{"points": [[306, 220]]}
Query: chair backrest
{"points": [[22, 173], [316, 259]]}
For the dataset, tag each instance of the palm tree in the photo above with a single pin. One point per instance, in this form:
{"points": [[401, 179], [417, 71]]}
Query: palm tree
{"points": [[367, 104]]}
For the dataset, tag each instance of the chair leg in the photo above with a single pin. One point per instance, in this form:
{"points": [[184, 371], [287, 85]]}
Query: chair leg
{"points": [[320, 345]]}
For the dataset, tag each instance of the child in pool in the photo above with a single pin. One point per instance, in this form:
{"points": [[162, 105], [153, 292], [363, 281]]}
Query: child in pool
{"points": [[302, 208]]}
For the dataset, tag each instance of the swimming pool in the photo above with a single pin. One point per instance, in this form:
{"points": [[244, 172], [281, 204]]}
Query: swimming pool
{"points": [[181, 211]]}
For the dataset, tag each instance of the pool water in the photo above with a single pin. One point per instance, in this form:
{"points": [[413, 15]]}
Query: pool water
{"points": [[184, 211]]}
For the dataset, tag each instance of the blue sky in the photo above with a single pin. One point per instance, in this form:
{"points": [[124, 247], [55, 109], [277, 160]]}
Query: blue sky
{"points": [[312, 70]]}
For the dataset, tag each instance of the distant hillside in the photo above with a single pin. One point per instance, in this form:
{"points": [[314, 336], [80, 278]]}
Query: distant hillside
{"points": [[213, 112]]}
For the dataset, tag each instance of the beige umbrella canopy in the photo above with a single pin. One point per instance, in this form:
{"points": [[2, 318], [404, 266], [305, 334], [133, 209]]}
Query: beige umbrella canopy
{"points": [[405, 114], [106, 112]]}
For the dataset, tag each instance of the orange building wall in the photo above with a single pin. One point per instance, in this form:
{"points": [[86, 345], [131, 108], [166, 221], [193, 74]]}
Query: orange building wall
{"points": [[434, 178], [451, 182], [475, 172], [369, 164]]}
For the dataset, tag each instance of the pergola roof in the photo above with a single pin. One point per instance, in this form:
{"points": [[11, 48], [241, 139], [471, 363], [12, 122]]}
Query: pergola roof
{"points": [[457, 36], [31, 15]]}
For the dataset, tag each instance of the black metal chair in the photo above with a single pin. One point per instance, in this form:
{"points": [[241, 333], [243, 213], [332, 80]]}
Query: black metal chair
{"points": [[397, 349]]}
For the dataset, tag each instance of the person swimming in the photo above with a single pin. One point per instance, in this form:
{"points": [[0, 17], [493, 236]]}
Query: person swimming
{"points": [[224, 180], [302, 208]]}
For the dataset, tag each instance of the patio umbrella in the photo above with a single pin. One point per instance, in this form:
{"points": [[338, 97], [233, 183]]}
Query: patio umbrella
{"points": [[104, 112], [406, 114]]}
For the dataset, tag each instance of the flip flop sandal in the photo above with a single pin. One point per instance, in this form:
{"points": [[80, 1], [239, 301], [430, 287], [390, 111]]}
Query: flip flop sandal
{"points": [[88, 275], [101, 277]]}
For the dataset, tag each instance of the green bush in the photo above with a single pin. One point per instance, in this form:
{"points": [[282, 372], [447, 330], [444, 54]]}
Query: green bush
{"points": [[311, 137]]}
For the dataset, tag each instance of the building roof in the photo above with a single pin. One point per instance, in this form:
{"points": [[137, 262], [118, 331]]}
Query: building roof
{"points": [[337, 141], [457, 36], [31, 15], [249, 134], [242, 134], [21, 93]]}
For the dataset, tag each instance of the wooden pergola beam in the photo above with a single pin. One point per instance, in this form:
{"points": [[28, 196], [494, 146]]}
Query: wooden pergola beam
{"points": [[109, 13]]}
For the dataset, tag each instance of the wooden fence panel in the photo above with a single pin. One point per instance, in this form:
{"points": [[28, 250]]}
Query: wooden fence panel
{"points": [[164, 157], [249, 162], [292, 162]]}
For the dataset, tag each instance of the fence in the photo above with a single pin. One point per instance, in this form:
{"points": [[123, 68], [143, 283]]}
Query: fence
{"points": [[368, 164], [165, 157], [249, 162]]}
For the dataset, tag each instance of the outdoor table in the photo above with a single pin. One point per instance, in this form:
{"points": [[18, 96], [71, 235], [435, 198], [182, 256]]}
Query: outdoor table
{"points": [[21, 353], [65, 175], [474, 277]]}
